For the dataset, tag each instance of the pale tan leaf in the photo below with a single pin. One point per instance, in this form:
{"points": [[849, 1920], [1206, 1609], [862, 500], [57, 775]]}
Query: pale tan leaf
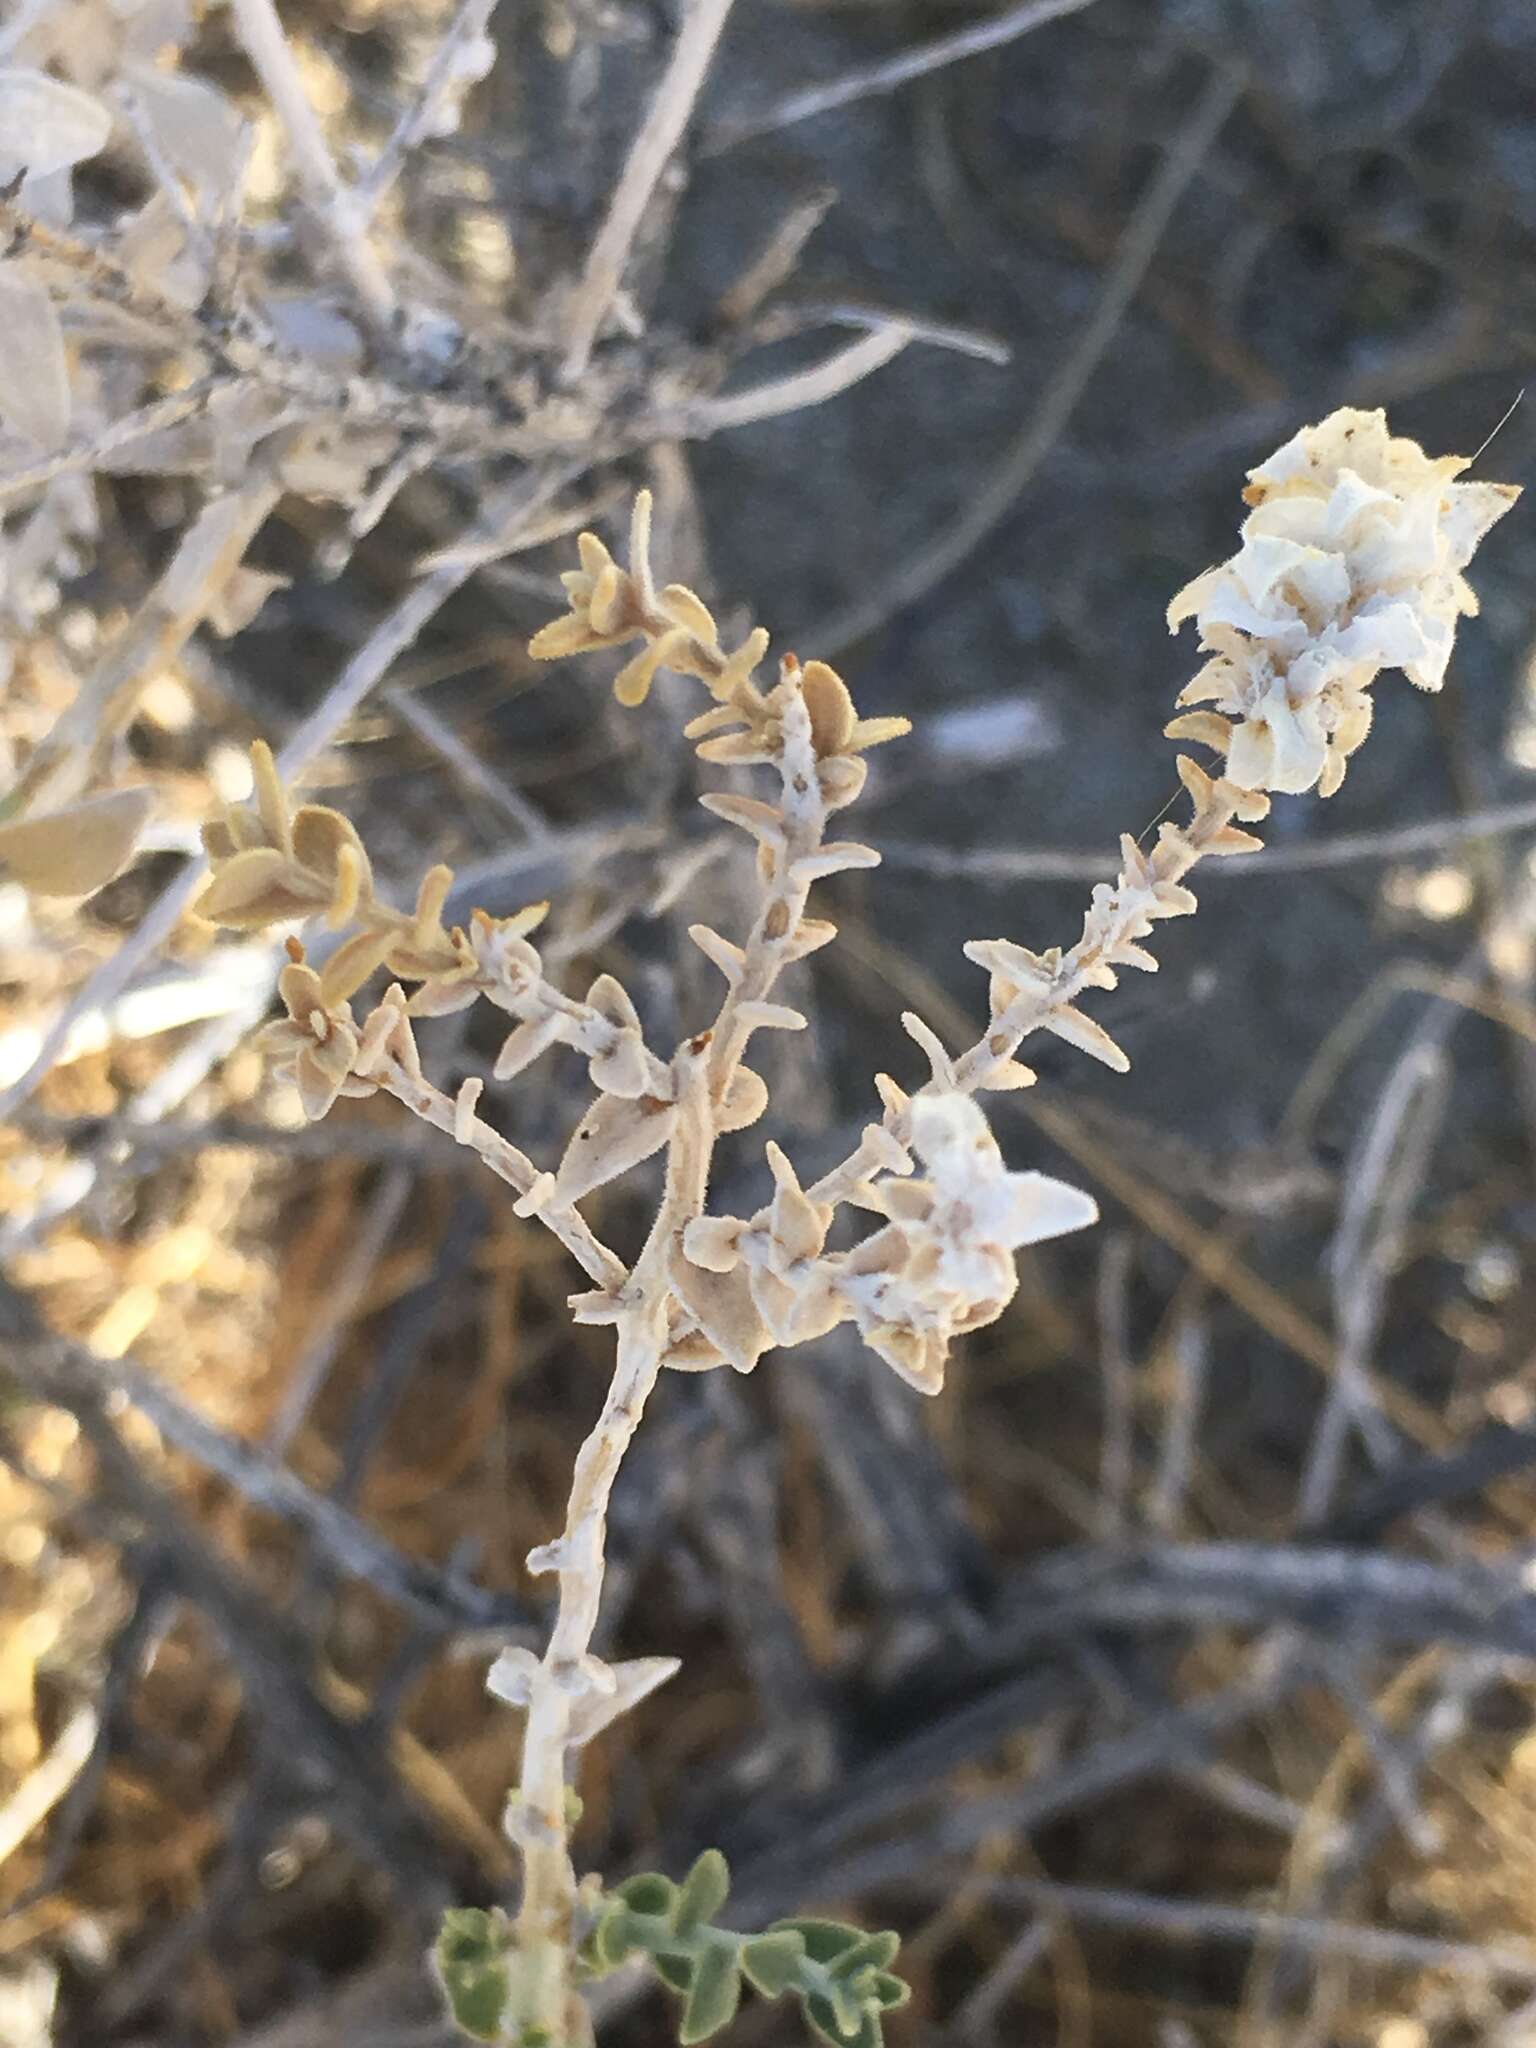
{"points": [[834, 859], [684, 607], [45, 125], [1087, 1036], [192, 125], [633, 1680], [723, 1307], [830, 706], [255, 888], [34, 369], [744, 1103], [712, 1242], [524, 1046], [613, 1136], [72, 852], [771, 1017], [1206, 728], [729, 958], [765, 822], [809, 936]]}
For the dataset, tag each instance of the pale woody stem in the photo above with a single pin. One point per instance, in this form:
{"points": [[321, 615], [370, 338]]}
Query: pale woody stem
{"points": [[1171, 861], [649, 154], [777, 923], [538, 1821], [507, 1162], [540, 1824]]}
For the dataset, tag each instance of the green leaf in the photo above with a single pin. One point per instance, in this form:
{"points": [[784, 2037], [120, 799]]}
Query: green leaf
{"points": [[848, 2006], [477, 1998], [824, 2023], [888, 1990], [714, 1997], [470, 1955], [879, 1949], [675, 1971], [772, 1961], [612, 1938], [471, 1935], [649, 1892], [825, 1940], [704, 1891]]}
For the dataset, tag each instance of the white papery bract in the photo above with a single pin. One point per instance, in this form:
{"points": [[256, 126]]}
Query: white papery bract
{"points": [[1351, 562], [944, 1262]]}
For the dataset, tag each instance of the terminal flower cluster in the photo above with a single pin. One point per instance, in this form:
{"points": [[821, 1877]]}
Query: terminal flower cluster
{"points": [[1351, 563]]}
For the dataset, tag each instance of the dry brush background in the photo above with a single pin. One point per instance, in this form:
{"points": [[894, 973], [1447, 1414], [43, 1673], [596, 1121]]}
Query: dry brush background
{"points": [[1169, 1680]]}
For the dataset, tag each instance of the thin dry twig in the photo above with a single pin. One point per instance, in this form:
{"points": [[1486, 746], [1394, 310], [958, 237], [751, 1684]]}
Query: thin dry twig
{"points": [[1344, 849], [865, 81], [332, 205], [849, 366], [995, 497], [651, 151], [1383, 1181]]}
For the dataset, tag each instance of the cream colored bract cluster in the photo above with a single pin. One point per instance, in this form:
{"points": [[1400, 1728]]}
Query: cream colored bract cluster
{"points": [[944, 1263], [1351, 563]]}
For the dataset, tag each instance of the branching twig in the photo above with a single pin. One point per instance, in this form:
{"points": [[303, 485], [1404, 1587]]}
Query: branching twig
{"points": [[332, 206], [649, 154]]}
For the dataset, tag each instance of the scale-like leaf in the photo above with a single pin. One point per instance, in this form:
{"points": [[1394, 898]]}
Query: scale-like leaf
{"points": [[34, 370], [72, 852], [45, 125], [713, 1996]]}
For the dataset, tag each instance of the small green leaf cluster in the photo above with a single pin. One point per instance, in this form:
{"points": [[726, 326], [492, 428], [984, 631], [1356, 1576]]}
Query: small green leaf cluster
{"points": [[841, 1975], [473, 1960]]}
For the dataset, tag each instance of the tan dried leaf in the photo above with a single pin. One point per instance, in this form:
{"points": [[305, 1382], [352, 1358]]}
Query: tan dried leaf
{"points": [[810, 936], [684, 607], [712, 1242], [729, 958], [351, 965], [765, 822], [833, 859], [260, 886], [1232, 839], [874, 732], [633, 1681], [1081, 1031], [614, 1135], [745, 1102], [723, 1306], [797, 1226], [830, 707], [72, 852], [524, 1046], [34, 368], [322, 838]]}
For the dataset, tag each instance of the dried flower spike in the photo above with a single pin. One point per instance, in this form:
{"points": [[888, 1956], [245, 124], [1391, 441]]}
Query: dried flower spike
{"points": [[1351, 562]]}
